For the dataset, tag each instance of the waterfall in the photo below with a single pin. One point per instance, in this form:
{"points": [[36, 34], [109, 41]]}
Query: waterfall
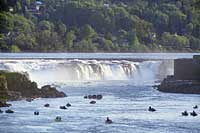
{"points": [[88, 70]]}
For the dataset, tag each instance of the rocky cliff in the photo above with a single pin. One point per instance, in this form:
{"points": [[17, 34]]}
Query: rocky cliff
{"points": [[16, 86]]}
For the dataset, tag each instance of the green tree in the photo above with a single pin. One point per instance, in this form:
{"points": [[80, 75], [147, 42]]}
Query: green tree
{"points": [[174, 41], [25, 42], [46, 25], [194, 43], [70, 37], [14, 49], [22, 25], [108, 45], [6, 22], [133, 40], [88, 32], [85, 46], [61, 28], [49, 41]]}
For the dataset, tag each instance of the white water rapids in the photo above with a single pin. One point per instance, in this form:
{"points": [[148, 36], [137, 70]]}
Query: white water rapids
{"points": [[62, 71]]}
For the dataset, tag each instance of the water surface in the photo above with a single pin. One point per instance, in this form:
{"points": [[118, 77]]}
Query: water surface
{"points": [[124, 84]]}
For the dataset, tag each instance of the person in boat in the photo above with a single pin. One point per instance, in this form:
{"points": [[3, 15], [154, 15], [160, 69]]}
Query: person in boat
{"points": [[108, 121], [68, 105], [47, 105], [185, 113], [195, 107], [90, 96], [151, 109], [94, 96], [58, 119], [63, 107], [36, 113], [193, 113], [92, 102], [99, 97]]}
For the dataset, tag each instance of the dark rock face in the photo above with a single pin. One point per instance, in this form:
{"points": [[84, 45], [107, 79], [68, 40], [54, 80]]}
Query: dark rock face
{"points": [[4, 104], [15, 86], [50, 92], [179, 86], [9, 111], [4, 93], [1, 111]]}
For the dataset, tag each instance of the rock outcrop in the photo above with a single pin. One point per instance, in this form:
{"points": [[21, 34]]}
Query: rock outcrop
{"points": [[50, 92], [186, 78], [171, 85], [4, 93], [15, 86]]}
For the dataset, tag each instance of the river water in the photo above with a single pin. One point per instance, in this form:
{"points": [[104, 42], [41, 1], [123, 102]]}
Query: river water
{"points": [[126, 86]]}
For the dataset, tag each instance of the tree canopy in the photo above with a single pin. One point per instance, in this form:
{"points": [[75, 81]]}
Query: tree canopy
{"points": [[99, 25]]}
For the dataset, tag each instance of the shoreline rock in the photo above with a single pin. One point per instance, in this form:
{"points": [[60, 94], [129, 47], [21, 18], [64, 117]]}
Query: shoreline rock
{"points": [[17, 86], [50, 92], [171, 85], [4, 104], [186, 78]]}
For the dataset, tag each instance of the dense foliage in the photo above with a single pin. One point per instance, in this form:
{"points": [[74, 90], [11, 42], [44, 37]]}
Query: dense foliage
{"points": [[99, 25]]}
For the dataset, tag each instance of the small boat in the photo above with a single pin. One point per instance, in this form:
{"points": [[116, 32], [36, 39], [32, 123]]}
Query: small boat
{"points": [[90, 96], [92, 102], [68, 105], [36, 113], [185, 113], [58, 119], [47, 105], [63, 107], [99, 97], [195, 107], [151, 109], [193, 113], [108, 121], [94, 96]]}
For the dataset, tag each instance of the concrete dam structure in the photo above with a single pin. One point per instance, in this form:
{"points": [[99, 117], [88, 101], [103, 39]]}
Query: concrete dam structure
{"points": [[186, 78]]}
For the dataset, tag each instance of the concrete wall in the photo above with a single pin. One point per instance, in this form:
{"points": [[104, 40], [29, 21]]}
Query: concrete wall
{"points": [[187, 69]]}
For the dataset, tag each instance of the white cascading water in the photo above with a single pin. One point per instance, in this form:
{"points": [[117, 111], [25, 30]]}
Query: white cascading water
{"points": [[51, 71]]}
